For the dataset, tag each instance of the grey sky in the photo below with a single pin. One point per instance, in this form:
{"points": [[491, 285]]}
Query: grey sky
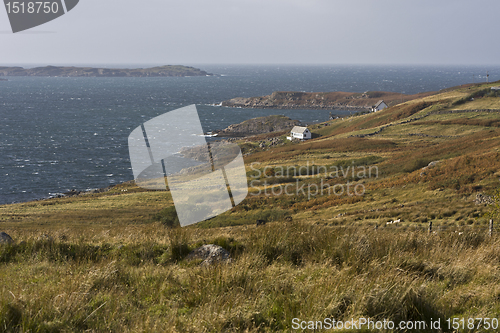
{"points": [[262, 31]]}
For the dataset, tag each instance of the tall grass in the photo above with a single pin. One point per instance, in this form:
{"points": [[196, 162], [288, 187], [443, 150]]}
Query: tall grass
{"points": [[282, 271]]}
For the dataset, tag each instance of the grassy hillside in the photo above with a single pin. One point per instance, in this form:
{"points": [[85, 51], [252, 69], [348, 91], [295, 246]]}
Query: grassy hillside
{"points": [[108, 262]]}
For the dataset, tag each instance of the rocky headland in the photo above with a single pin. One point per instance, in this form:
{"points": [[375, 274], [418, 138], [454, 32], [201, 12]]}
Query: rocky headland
{"points": [[248, 128], [259, 125], [321, 100], [60, 71]]}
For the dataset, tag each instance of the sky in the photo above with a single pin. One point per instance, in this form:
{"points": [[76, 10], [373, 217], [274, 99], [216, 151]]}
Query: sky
{"points": [[385, 32]]}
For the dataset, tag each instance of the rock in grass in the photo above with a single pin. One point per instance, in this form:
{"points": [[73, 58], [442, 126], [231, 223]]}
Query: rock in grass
{"points": [[483, 199], [5, 238], [210, 254], [45, 237]]}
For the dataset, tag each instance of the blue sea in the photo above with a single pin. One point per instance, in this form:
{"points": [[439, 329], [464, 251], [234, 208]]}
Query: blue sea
{"points": [[58, 134]]}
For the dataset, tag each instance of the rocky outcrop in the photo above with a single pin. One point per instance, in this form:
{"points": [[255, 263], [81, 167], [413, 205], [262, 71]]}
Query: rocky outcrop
{"points": [[259, 125], [483, 199], [58, 71], [273, 142], [321, 100], [210, 254], [5, 238], [222, 149], [431, 165], [74, 192]]}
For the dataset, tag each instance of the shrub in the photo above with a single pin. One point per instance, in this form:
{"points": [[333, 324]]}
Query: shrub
{"points": [[179, 244], [168, 217], [269, 172], [272, 215], [229, 244], [416, 164]]}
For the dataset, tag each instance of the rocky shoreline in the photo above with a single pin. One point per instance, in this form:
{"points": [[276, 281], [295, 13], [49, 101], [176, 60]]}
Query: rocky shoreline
{"points": [[74, 192], [61, 71], [255, 126], [321, 100]]}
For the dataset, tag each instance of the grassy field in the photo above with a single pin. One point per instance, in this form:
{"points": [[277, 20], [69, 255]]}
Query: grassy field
{"points": [[109, 262]]}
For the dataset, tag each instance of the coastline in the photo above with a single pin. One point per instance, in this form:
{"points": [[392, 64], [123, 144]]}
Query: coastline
{"points": [[335, 100]]}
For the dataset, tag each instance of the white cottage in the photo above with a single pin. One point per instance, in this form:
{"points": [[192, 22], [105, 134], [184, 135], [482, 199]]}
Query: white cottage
{"points": [[379, 106], [299, 132]]}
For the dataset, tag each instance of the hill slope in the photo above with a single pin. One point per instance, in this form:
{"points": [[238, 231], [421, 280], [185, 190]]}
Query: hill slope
{"points": [[346, 236]]}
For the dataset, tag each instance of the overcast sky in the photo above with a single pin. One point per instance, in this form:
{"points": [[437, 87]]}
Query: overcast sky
{"points": [[262, 31]]}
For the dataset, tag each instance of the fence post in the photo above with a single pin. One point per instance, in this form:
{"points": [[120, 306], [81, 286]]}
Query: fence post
{"points": [[430, 226], [491, 228]]}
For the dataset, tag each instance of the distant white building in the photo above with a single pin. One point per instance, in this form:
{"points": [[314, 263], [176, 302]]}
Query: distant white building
{"points": [[379, 106], [495, 88], [301, 133]]}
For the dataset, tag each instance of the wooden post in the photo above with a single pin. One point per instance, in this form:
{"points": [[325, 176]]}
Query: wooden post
{"points": [[430, 226], [376, 226], [491, 228]]}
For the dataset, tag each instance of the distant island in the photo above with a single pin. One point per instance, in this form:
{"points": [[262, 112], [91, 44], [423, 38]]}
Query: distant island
{"points": [[60, 71], [3, 79], [337, 100]]}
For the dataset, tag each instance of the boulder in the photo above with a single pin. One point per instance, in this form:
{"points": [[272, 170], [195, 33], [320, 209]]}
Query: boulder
{"points": [[429, 166], [210, 254], [483, 199], [5, 238]]}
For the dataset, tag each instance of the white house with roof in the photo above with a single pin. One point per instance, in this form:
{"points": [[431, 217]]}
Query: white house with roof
{"points": [[379, 106], [299, 132]]}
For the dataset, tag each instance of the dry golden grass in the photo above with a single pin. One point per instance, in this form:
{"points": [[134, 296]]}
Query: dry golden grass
{"points": [[280, 272]]}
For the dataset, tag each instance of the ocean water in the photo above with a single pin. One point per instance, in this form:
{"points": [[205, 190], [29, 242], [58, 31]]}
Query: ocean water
{"points": [[58, 134]]}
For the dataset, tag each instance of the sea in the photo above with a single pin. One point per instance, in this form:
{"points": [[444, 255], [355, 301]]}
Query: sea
{"points": [[60, 134]]}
